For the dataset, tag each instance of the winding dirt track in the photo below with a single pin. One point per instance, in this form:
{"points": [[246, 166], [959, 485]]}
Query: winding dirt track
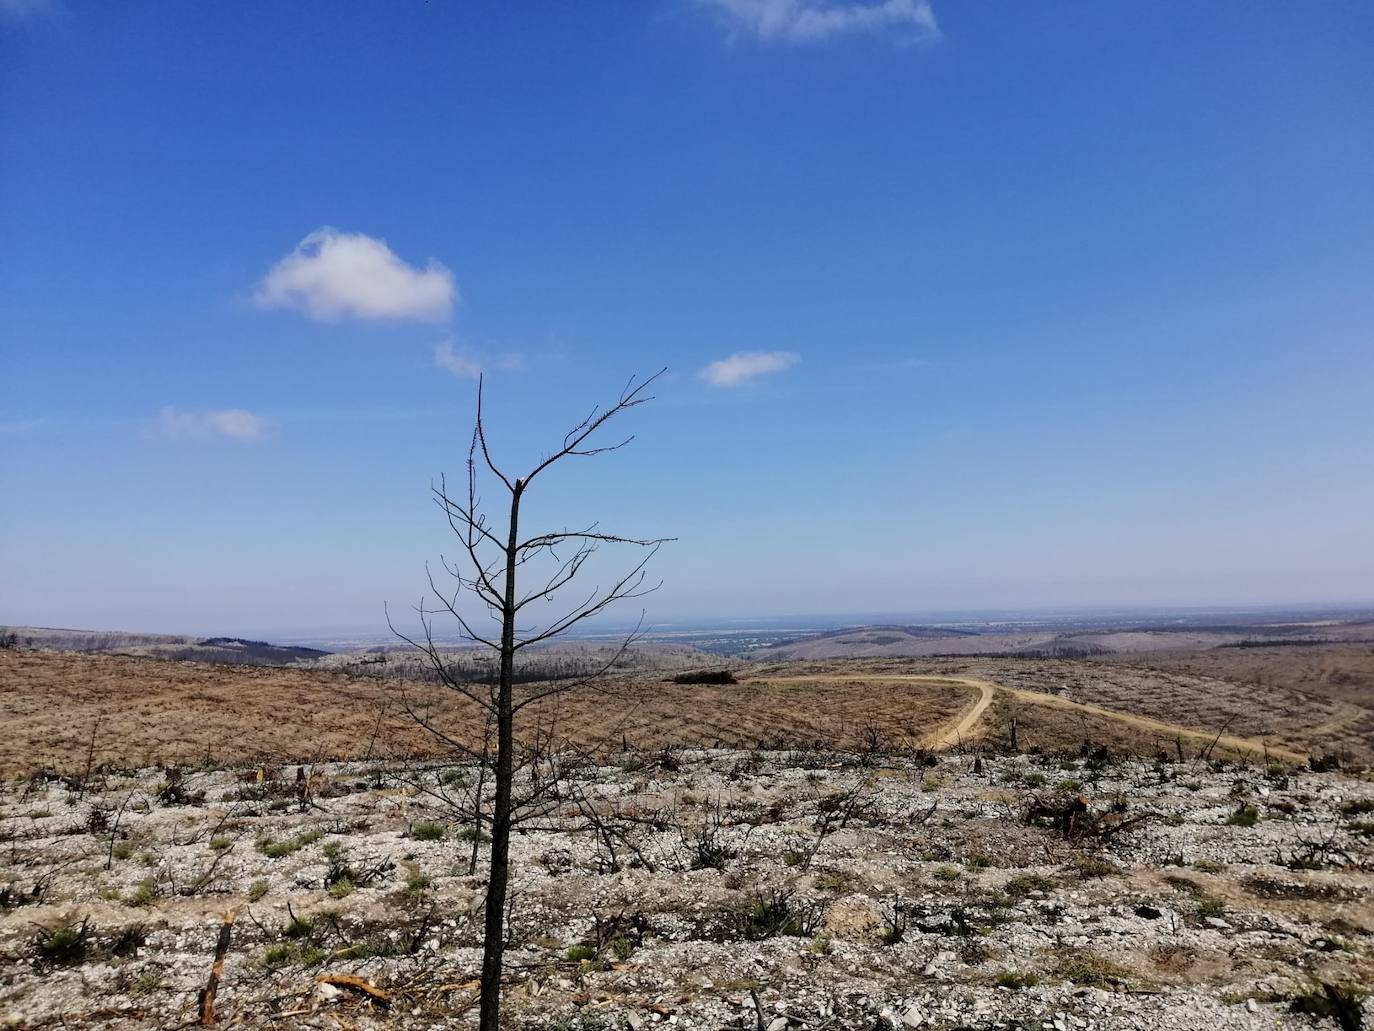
{"points": [[969, 717]]}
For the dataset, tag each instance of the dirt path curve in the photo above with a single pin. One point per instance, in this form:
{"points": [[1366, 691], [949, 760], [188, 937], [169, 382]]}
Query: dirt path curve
{"points": [[970, 715]]}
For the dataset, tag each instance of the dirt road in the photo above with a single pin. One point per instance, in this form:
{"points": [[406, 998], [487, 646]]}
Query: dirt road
{"points": [[963, 725]]}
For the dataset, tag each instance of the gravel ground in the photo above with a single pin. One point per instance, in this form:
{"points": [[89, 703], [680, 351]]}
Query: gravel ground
{"points": [[839, 891]]}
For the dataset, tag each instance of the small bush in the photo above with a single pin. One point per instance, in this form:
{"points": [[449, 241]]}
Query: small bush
{"points": [[278, 849], [1017, 980], [428, 830], [723, 676], [1023, 885], [122, 850], [1091, 867], [144, 892], [774, 914], [257, 890], [62, 946], [221, 844], [1245, 816]]}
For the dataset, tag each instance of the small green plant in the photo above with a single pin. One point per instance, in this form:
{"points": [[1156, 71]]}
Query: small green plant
{"points": [[417, 884], [1017, 980], [580, 953], [1209, 866], [122, 850], [1026, 884], [258, 889], [144, 892], [1358, 807], [1069, 784], [454, 778], [299, 928], [978, 861], [791, 858], [284, 954], [332, 849], [1210, 905], [428, 830], [470, 833], [947, 873], [221, 844], [279, 848], [773, 914], [1245, 816], [40, 814], [64, 945], [1091, 867], [341, 888], [150, 982]]}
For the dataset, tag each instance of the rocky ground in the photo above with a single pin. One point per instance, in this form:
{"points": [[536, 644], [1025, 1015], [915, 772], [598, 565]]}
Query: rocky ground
{"points": [[705, 889]]}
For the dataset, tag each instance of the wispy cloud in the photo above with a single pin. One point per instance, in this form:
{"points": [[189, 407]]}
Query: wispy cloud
{"points": [[813, 21], [468, 364], [230, 423], [746, 365], [332, 275]]}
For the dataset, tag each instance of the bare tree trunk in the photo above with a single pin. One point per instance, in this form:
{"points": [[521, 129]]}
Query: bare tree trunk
{"points": [[494, 932]]}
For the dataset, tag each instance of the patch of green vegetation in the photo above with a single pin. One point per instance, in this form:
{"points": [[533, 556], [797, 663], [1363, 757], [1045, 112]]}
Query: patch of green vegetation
{"points": [[580, 953], [274, 848], [1069, 784], [1209, 866], [1087, 968], [1245, 816], [150, 982], [40, 814], [63, 945], [428, 830], [342, 888], [774, 914], [331, 849], [1017, 980], [1092, 867], [221, 844], [417, 884], [1035, 780], [258, 889], [299, 929], [947, 873], [791, 858], [1026, 884], [144, 892], [285, 954], [1358, 807], [1210, 905], [122, 850], [454, 778], [470, 832], [978, 861]]}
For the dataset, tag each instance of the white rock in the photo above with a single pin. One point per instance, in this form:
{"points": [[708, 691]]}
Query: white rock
{"points": [[777, 1024]]}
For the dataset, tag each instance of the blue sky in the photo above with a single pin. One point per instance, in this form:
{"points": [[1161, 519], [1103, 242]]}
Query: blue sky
{"points": [[1020, 305]]}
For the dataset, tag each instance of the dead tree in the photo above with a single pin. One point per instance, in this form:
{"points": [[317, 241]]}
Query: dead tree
{"points": [[488, 578]]}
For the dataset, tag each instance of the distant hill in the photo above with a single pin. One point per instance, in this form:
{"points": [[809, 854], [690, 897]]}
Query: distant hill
{"points": [[227, 650]]}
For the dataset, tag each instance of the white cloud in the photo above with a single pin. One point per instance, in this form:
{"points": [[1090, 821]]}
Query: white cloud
{"points": [[810, 21], [233, 423], [332, 274], [469, 365], [745, 365]]}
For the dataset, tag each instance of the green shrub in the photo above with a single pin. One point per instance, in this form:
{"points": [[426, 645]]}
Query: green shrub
{"points": [[1017, 980], [1026, 884], [1245, 816], [428, 830], [257, 890]]}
